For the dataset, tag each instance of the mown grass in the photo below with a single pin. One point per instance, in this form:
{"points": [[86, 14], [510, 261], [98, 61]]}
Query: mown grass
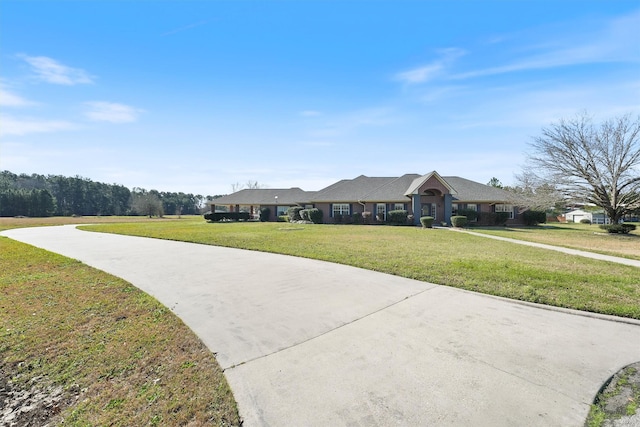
{"points": [[576, 236], [433, 255], [121, 357]]}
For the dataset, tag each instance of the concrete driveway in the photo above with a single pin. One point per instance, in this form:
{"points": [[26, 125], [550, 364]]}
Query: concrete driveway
{"points": [[311, 343]]}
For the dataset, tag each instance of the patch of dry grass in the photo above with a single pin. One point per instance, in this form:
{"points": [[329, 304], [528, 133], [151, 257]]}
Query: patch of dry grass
{"points": [[121, 358], [587, 237]]}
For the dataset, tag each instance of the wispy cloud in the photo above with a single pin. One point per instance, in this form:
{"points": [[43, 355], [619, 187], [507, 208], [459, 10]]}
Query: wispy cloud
{"points": [[23, 126], [52, 71], [9, 99], [111, 112], [185, 28], [616, 41], [432, 70]]}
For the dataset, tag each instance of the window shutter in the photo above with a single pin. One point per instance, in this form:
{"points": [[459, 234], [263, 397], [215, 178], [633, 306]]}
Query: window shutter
{"points": [[330, 210]]}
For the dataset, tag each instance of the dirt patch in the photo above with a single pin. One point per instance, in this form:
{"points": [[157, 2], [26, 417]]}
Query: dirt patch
{"points": [[36, 405], [618, 402]]}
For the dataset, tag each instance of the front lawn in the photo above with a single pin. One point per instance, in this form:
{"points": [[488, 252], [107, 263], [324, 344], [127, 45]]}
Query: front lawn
{"points": [[432, 255], [79, 345]]}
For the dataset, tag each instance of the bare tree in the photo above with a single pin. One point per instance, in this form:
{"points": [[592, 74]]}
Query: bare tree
{"points": [[599, 164], [530, 192], [251, 185]]}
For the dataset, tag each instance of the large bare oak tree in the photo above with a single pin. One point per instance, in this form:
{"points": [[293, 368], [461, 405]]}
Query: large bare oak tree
{"points": [[596, 163]]}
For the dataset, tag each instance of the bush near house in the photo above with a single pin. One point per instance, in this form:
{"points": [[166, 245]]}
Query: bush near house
{"points": [[624, 228], [294, 213], [470, 214], [315, 215], [226, 216], [532, 217], [366, 217], [459, 220], [426, 221], [398, 217], [585, 221], [357, 218], [265, 213], [494, 218]]}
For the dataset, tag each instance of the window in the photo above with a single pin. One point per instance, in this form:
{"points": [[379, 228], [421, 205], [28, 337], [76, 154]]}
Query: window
{"points": [[472, 206], [341, 209], [281, 210], [505, 208], [398, 207], [381, 211], [454, 209]]}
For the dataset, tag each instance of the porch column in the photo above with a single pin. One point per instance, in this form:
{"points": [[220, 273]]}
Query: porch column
{"points": [[448, 202], [417, 209]]}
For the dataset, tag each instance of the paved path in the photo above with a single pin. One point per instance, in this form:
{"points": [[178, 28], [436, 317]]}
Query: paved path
{"points": [[310, 343], [586, 254]]}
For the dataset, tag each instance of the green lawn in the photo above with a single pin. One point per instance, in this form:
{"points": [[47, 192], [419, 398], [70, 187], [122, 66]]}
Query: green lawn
{"points": [[434, 255], [117, 356]]}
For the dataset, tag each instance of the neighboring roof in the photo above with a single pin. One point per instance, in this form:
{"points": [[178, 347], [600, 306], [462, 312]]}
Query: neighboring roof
{"points": [[419, 181], [471, 191], [266, 196]]}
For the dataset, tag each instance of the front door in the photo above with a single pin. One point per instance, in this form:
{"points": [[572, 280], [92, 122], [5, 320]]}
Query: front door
{"points": [[429, 209]]}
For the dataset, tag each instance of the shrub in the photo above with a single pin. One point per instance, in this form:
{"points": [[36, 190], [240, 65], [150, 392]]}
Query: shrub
{"points": [[337, 218], [470, 214], [398, 217], [315, 216], [366, 217], [532, 217], [357, 218], [585, 221], [304, 214], [265, 213], [501, 218], [459, 220], [294, 213], [618, 228], [426, 221], [283, 218], [227, 216]]}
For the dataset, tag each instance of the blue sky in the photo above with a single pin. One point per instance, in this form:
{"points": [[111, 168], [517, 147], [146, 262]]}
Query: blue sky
{"points": [[195, 96]]}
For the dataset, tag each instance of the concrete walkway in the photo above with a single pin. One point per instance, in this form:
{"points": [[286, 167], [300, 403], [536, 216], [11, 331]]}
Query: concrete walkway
{"points": [[586, 254], [309, 343]]}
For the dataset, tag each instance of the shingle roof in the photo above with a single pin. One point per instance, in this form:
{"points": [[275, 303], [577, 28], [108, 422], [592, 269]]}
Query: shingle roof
{"points": [[471, 191], [266, 196], [366, 189], [352, 190]]}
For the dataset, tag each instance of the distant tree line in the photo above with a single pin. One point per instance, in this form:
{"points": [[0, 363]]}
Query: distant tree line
{"points": [[55, 195]]}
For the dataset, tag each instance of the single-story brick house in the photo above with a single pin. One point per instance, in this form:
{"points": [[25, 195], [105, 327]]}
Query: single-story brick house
{"points": [[420, 195]]}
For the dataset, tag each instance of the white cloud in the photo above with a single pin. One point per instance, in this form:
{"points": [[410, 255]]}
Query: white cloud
{"points": [[21, 126], [101, 111], [8, 99], [430, 71], [51, 71], [616, 41]]}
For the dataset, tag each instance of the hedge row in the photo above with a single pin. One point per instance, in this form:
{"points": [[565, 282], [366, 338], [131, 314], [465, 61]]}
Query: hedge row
{"points": [[226, 216]]}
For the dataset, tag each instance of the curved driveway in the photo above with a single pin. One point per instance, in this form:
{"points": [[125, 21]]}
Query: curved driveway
{"points": [[311, 343]]}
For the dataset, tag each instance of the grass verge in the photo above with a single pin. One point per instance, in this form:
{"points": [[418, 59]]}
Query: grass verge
{"points": [[432, 255], [98, 351]]}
